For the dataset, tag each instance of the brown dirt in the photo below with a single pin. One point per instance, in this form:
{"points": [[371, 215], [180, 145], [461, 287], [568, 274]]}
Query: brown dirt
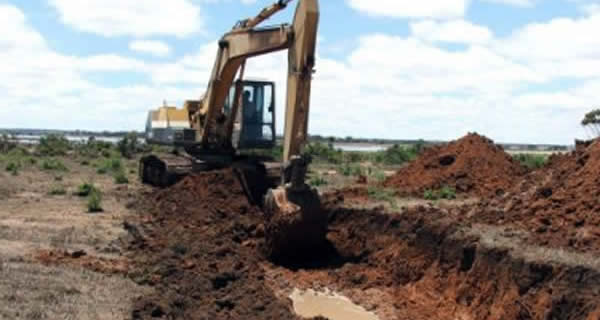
{"points": [[200, 249], [200, 243], [82, 260], [558, 205], [473, 165]]}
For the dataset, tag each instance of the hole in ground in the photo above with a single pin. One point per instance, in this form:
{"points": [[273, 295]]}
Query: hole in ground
{"points": [[322, 257]]}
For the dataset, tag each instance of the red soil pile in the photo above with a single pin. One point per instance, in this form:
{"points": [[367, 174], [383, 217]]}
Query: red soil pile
{"points": [[473, 165], [199, 248], [559, 204]]}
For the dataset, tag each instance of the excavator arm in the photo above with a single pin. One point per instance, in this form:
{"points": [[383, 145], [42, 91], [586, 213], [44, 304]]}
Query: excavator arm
{"points": [[293, 218], [245, 41]]}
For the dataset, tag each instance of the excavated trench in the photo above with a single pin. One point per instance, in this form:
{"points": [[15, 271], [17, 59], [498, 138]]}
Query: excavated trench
{"points": [[420, 265], [202, 242]]}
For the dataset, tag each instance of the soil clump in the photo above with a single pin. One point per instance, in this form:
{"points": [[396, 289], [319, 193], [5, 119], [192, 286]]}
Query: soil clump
{"points": [[558, 205], [472, 165]]}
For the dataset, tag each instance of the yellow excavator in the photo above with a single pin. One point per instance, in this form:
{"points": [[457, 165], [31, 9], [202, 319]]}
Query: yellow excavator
{"points": [[235, 114]]}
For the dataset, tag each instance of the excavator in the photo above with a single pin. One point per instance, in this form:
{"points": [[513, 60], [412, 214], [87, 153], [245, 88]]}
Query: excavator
{"points": [[235, 114]]}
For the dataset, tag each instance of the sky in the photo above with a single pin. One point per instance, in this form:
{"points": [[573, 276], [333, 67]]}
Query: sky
{"points": [[514, 70]]}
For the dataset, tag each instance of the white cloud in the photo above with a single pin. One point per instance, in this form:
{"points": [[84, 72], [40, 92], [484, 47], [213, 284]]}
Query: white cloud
{"points": [[157, 48], [131, 17], [591, 8], [517, 3], [406, 86], [563, 47], [110, 62], [456, 31], [15, 31], [412, 9], [53, 90]]}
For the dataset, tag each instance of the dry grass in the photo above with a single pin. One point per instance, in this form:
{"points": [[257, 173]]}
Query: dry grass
{"points": [[33, 291], [31, 219]]}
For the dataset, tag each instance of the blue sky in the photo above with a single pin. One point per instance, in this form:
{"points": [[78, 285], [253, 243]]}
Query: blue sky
{"points": [[514, 70]]}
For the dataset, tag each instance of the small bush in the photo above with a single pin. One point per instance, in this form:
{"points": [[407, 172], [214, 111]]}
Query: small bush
{"points": [[113, 165], [53, 145], [94, 148], [396, 154], [350, 169], [379, 176], [58, 191], [447, 193], [317, 181], [53, 164], [531, 161], [121, 178], [324, 153], [85, 189], [382, 194], [84, 163], [129, 145], [13, 168], [94, 203]]}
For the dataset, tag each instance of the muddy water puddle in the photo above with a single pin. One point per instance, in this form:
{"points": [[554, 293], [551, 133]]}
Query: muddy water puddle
{"points": [[310, 303]]}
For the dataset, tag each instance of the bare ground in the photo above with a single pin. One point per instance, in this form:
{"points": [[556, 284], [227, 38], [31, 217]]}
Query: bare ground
{"points": [[32, 221]]}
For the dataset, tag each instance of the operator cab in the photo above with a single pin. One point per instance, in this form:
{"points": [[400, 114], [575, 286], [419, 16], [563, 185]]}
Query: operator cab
{"points": [[254, 126]]}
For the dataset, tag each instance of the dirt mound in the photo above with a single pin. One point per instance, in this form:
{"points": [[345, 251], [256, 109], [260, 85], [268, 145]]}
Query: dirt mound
{"points": [[559, 204], [473, 165], [200, 250]]}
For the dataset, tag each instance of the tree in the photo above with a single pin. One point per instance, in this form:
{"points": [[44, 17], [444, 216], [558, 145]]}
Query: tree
{"points": [[591, 122]]}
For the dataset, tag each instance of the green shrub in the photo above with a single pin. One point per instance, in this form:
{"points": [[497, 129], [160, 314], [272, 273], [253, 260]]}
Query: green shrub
{"points": [[53, 145], [13, 168], [113, 165], [317, 181], [53, 164], [85, 189], [445, 192], [350, 169], [94, 203], [429, 195], [129, 145], [121, 178], [448, 193], [396, 154], [94, 148], [382, 194], [84, 163], [531, 161], [58, 191], [324, 153], [378, 175]]}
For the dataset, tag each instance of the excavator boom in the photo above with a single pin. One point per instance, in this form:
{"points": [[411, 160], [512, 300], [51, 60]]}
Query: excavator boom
{"points": [[293, 219]]}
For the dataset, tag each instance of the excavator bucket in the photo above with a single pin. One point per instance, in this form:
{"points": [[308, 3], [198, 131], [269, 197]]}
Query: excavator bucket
{"points": [[295, 223], [294, 219]]}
